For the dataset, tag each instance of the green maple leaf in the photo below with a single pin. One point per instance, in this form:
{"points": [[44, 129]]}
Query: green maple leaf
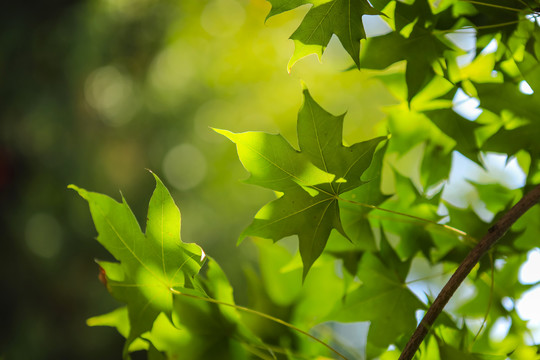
{"points": [[421, 49], [491, 17], [383, 298], [151, 264], [311, 180], [355, 218], [530, 227], [499, 97], [340, 17], [513, 140], [530, 69], [414, 236], [461, 130], [186, 335], [415, 40]]}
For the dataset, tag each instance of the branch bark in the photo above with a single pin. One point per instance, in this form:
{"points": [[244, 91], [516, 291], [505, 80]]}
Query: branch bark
{"points": [[493, 235]]}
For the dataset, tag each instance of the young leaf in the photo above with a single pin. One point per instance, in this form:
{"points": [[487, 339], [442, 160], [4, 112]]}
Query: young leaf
{"points": [[311, 180], [340, 17], [150, 264]]}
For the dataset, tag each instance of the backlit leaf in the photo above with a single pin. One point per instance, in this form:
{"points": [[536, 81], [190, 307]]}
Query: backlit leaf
{"points": [[150, 264], [326, 18], [311, 179]]}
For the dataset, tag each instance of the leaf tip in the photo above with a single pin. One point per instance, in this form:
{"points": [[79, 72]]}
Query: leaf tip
{"points": [[306, 93], [305, 271], [291, 63], [228, 134], [82, 192], [158, 180], [241, 238], [93, 321]]}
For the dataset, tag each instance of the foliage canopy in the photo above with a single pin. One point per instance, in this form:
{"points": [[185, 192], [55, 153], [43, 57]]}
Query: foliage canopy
{"points": [[384, 197]]}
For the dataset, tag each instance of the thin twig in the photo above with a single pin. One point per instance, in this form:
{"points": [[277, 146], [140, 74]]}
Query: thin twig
{"points": [[492, 5], [475, 28], [493, 235], [490, 301], [258, 313]]}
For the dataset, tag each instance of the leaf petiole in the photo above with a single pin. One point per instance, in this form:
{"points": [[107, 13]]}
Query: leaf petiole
{"points": [[492, 5], [444, 226], [478, 27]]}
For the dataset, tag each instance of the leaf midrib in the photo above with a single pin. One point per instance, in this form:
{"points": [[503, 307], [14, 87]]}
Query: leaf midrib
{"points": [[319, 144], [285, 171], [163, 240], [322, 20], [354, 163], [113, 228], [295, 213], [312, 242]]}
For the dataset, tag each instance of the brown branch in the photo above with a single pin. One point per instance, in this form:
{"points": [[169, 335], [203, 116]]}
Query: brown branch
{"points": [[494, 233]]}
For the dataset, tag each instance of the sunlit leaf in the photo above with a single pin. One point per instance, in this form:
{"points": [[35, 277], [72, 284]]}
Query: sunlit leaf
{"points": [[150, 263], [311, 179]]}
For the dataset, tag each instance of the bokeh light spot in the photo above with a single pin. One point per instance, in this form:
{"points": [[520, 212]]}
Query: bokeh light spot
{"points": [[527, 306], [43, 235], [500, 328], [173, 69], [215, 113], [184, 166], [525, 88], [529, 273], [111, 94], [222, 18]]}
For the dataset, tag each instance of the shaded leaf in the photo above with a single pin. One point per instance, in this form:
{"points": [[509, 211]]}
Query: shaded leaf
{"points": [[461, 130], [510, 141], [355, 218], [383, 298], [420, 49], [499, 97], [414, 234], [326, 18]]}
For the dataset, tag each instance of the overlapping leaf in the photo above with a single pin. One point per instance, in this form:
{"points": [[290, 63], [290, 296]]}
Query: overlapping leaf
{"points": [[326, 18], [150, 264], [461, 130], [355, 218], [383, 298], [421, 50], [311, 180], [153, 271]]}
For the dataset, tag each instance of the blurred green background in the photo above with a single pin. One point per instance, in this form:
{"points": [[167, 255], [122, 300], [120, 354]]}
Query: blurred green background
{"points": [[94, 92]]}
